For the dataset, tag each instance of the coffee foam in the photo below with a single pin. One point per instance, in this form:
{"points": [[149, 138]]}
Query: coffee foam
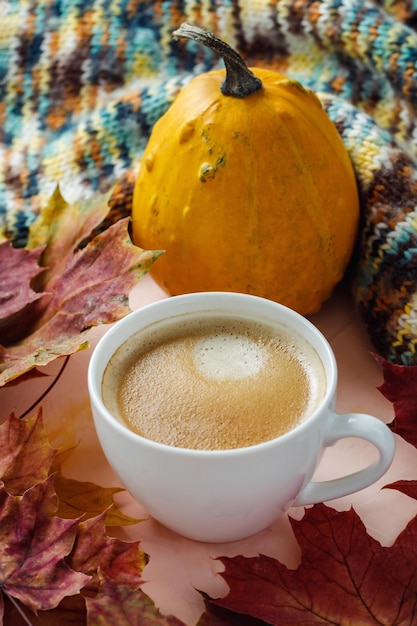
{"points": [[213, 384]]}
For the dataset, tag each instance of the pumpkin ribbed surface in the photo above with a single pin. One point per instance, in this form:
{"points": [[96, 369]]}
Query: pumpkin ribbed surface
{"points": [[253, 194]]}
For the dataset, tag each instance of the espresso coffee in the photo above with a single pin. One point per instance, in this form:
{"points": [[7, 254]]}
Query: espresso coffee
{"points": [[213, 383]]}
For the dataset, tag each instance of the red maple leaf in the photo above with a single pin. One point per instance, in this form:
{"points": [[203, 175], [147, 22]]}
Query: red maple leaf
{"points": [[408, 487], [345, 576], [400, 388]]}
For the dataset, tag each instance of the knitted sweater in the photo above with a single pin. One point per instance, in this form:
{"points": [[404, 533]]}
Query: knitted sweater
{"points": [[83, 81]]}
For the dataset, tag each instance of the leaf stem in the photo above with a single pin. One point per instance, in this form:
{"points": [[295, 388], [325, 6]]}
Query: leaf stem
{"points": [[18, 608], [48, 389]]}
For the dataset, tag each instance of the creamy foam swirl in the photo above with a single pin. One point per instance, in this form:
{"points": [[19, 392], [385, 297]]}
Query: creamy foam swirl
{"points": [[228, 356]]}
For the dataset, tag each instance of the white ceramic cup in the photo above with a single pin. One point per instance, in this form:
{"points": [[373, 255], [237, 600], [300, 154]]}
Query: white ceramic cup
{"points": [[226, 495]]}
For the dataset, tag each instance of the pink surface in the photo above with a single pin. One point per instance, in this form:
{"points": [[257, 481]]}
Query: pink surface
{"points": [[178, 566]]}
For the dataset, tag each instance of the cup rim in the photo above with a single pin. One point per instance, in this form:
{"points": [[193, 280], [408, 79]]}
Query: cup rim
{"points": [[94, 377]]}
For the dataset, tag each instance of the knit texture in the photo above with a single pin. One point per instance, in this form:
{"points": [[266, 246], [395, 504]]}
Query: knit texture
{"points": [[82, 83]]}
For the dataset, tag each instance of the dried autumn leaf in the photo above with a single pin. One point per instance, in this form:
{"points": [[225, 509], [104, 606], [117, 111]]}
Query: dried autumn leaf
{"points": [[33, 546], [26, 453], [92, 289], [56, 233], [345, 576], [80, 498], [83, 498], [18, 268], [121, 561], [18, 272], [124, 606], [85, 281], [28, 458], [217, 616], [60, 228], [40, 550], [116, 569], [408, 487], [400, 388]]}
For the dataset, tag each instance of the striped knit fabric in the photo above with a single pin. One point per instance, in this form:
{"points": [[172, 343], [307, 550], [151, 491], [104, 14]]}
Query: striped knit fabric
{"points": [[83, 81]]}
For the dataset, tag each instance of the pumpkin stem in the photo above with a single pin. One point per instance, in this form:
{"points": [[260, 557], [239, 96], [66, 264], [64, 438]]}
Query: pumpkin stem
{"points": [[240, 81]]}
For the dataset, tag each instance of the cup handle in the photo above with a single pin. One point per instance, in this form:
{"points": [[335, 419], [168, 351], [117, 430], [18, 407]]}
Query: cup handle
{"points": [[358, 425]]}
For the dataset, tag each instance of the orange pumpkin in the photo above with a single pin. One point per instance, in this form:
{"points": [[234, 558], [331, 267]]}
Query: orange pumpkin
{"points": [[247, 186]]}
